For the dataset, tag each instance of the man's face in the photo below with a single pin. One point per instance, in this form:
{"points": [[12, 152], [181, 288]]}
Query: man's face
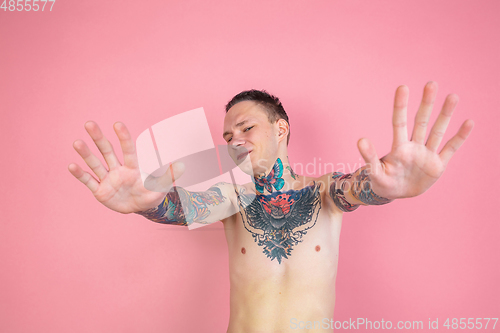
{"points": [[252, 140]]}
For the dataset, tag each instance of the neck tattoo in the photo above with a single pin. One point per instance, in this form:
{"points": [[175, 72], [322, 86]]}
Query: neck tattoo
{"points": [[273, 179], [292, 173]]}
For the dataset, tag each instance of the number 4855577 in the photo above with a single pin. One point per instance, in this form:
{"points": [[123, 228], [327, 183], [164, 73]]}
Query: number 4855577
{"points": [[26, 5]]}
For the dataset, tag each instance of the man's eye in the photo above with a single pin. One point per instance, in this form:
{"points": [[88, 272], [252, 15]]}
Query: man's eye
{"points": [[248, 128], [229, 139]]}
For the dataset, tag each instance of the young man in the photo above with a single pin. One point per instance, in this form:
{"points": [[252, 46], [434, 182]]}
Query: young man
{"points": [[282, 229]]}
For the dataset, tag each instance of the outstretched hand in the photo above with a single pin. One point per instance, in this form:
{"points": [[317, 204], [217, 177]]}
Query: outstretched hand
{"points": [[119, 187], [414, 165]]}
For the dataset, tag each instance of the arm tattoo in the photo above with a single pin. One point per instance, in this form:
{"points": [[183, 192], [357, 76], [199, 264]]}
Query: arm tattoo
{"points": [[337, 189], [360, 190], [181, 207]]}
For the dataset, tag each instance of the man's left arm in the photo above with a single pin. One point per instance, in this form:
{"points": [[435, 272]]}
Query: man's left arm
{"points": [[412, 166], [351, 190]]}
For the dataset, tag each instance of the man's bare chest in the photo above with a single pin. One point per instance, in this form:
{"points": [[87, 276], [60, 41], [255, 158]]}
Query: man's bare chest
{"points": [[282, 224]]}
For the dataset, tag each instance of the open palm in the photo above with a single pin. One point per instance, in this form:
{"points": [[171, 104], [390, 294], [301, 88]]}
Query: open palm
{"points": [[120, 187], [414, 165]]}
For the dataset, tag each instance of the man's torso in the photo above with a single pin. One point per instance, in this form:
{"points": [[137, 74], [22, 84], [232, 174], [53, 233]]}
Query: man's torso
{"points": [[283, 255]]}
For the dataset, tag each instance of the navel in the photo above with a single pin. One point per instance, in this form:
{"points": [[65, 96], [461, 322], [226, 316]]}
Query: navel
{"points": [[318, 248], [243, 250]]}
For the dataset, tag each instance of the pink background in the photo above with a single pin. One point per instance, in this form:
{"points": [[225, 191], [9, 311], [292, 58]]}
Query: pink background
{"points": [[69, 264]]}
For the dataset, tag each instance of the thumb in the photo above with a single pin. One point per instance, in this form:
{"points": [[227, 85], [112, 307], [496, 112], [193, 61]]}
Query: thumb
{"points": [[164, 182], [367, 151]]}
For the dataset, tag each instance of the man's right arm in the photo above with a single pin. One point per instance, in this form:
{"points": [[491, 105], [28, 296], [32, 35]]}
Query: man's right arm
{"points": [[120, 186]]}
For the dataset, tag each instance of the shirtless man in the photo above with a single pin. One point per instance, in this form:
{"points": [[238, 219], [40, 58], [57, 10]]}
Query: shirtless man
{"points": [[282, 229]]}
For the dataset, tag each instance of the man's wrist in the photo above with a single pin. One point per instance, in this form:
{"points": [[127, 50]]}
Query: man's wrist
{"points": [[165, 212], [361, 189]]}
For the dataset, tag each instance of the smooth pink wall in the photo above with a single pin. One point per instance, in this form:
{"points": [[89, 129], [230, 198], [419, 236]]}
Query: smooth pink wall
{"points": [[70, 265]]}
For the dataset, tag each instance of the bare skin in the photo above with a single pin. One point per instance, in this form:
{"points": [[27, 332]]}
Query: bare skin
{"points": [[266, 295], [280, 274]]}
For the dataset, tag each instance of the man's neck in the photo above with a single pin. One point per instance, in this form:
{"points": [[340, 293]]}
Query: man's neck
{"points": [[280, 178]]}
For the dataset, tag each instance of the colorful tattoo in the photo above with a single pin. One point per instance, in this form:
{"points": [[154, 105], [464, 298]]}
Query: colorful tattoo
{"points": [[337, 189], [292, 173], [362, 191], [273, 179], [278, 221], [181, 207]]}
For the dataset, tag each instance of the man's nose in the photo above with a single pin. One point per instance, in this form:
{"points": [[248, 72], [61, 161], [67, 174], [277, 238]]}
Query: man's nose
{"points": [[237, 142]]}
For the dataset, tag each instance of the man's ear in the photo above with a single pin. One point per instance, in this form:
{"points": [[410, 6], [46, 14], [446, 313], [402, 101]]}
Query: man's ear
{"points": [[283, 129]]}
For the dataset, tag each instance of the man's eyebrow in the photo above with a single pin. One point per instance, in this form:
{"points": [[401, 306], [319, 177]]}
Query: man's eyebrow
{"points": [[241, 123]]}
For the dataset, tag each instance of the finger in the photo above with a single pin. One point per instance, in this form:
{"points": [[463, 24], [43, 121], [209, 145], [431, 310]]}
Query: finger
{"points": [[102, 144], [456, 141], [400, 132], [424, 112], [127, 144], [439, 128], [90, 159], [85, 177], [369, 154]]}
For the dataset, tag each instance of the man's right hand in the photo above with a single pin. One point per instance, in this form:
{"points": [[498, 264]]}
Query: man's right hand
{"points": [[119, 187]]}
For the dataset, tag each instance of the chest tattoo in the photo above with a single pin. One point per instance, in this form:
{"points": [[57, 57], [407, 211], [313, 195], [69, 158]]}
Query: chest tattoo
{"points": [[278, 221]]}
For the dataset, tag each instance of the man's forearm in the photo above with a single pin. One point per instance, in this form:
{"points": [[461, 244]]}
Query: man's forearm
{"points": [[349, 191], [181, 207]]}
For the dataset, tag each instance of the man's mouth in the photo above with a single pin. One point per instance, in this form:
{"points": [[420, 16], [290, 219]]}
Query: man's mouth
{"points": [[243, 155]]}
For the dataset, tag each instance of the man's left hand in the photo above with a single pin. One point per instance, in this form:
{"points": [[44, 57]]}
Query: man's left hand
{"points": [[414, 165]]}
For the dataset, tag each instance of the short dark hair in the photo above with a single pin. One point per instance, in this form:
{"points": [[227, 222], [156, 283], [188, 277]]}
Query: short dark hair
{"points": [[271, 104]]}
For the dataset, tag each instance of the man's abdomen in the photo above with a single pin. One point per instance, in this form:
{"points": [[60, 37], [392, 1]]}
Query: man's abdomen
{"points": [[268, 296]]}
